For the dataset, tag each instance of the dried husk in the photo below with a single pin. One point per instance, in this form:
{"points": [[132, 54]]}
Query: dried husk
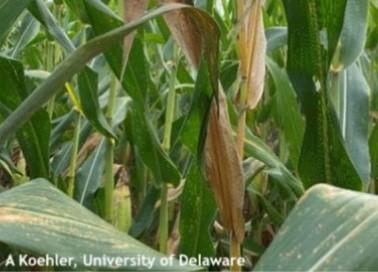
{"points": [[251, 49], [223, 168]]}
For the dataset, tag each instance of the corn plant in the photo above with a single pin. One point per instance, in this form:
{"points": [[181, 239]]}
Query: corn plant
{"points": [[209, 129]]}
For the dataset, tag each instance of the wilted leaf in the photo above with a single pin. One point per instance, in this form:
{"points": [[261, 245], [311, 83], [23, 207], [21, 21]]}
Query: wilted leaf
{"points": [[192, 34], [223, 168], [252, 49], [185, 32]]}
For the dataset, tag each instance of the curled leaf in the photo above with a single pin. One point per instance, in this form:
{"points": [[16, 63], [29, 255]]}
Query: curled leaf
{"points": [[251, 48], [185, 32], [223, 168]]}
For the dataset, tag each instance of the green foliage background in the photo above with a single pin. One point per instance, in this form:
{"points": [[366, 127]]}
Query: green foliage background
{"points": [[73, 113]]}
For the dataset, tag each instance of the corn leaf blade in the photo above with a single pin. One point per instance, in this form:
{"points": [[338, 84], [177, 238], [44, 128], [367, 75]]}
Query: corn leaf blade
{"points": [[38, 218], [35, 134], [324, 157], [342, 225], [10, 10]]}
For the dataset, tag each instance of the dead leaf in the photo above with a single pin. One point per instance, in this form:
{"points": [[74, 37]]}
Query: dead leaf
{"points": [[251, 49], [223, 168], [185, 32]]}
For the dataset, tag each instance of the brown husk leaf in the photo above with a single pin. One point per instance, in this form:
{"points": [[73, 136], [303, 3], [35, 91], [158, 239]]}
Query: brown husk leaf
{"points": [[223, 168], [251, 49]]}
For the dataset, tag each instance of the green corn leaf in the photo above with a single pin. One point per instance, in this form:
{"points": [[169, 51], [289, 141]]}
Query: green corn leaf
{"points": [[88, 93], [354, 32], [29, 30], [343, 226], [33, 135], [153, 155], [256, 148], [354, 118], [287, 113], [314, 29], [89, 175], [72, 65], [9, 12], [198, 204], [144, 218], [40, 219], [373, 146], [42, 13], [276, 38], [197, 214], [78, 8], [87, 79]]}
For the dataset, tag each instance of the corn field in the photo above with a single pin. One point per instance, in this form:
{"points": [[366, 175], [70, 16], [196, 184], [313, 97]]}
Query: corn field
{"points": [[188, 135]]}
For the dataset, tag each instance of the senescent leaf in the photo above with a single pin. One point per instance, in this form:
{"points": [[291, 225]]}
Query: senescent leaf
{"points": [[193, 37], [223, 168], [252, 49], [185, 32]]}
